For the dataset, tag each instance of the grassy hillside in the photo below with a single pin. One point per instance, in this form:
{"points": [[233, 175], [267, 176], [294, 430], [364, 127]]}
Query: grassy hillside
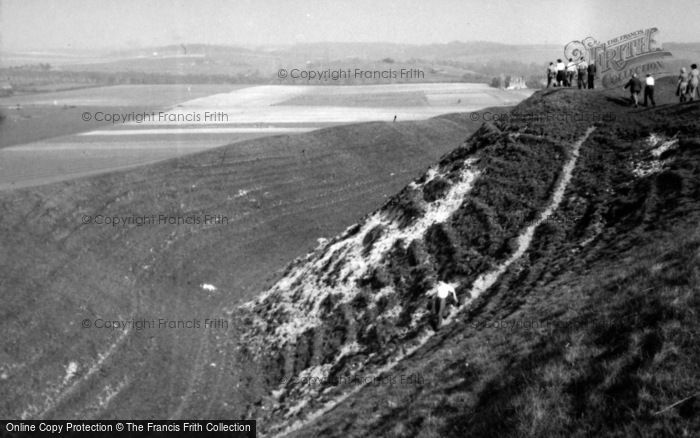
{"points": [[590, 332], [280, 194]]}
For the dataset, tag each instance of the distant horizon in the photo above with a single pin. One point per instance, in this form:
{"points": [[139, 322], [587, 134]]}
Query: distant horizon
{"points": [[287, 45], [31, 25], [265, 46]]}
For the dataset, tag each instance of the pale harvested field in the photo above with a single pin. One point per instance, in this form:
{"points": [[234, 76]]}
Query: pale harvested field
{"points": [[119, 95], [184, 124]]}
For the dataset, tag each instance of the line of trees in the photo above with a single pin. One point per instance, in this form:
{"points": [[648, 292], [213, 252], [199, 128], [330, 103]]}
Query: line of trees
{"points": [[34, 78]]}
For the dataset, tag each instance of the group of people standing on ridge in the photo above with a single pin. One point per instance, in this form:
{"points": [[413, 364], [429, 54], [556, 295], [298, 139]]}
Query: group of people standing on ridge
{"points": [[563, 75]]}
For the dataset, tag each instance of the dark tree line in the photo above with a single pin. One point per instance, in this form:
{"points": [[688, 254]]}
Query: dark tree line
{"points": [[25, 78]]}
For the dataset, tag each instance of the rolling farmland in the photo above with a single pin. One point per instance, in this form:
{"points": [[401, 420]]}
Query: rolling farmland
{"points": [[45, 138]]}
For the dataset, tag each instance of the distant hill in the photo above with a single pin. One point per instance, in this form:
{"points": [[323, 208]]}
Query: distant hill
{"points": [[201, 63], [456, 61], [690, 51], [436, 52]]}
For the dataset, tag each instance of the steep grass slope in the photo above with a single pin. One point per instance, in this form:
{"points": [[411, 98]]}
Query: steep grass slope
{"points": [[279, 196], [589, 328]]}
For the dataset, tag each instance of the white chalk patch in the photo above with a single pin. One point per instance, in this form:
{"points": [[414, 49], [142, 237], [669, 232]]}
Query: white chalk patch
{"points": [[653, 140], [644, 168], [71, 369], [51, 401], [660, 145], [336, 268], [109, 392], [665, 146], [392, 313], [349, 348]]}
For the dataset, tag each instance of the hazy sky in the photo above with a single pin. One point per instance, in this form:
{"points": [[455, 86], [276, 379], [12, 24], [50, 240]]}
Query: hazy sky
{"points": [[42, 24]]}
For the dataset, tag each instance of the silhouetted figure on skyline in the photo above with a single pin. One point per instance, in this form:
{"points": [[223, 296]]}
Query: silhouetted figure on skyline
{"points": [[551, 74], [582, 79], [591, 75]]}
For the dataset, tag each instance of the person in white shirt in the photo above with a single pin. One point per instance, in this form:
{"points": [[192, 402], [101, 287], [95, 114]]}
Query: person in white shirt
{"points": [[442, 292], [561, 73], [649, 90]]}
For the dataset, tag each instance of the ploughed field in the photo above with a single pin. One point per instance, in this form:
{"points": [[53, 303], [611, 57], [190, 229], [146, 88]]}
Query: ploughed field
{"points": [[55, 136]]}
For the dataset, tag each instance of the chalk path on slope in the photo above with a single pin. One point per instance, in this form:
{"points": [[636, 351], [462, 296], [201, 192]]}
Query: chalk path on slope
{"points": [[55, 396], [51, 403], [481, 284]]}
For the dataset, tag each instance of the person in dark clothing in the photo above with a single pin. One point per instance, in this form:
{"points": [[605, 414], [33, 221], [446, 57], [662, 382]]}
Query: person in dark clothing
{"points": [[570, 72], [649, 90], [591, 75], [635, 86], [551, 74], [582, 78]]}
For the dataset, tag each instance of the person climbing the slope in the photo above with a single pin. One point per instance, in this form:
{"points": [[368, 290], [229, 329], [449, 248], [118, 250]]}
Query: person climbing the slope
{"points": [[443, 291]]}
